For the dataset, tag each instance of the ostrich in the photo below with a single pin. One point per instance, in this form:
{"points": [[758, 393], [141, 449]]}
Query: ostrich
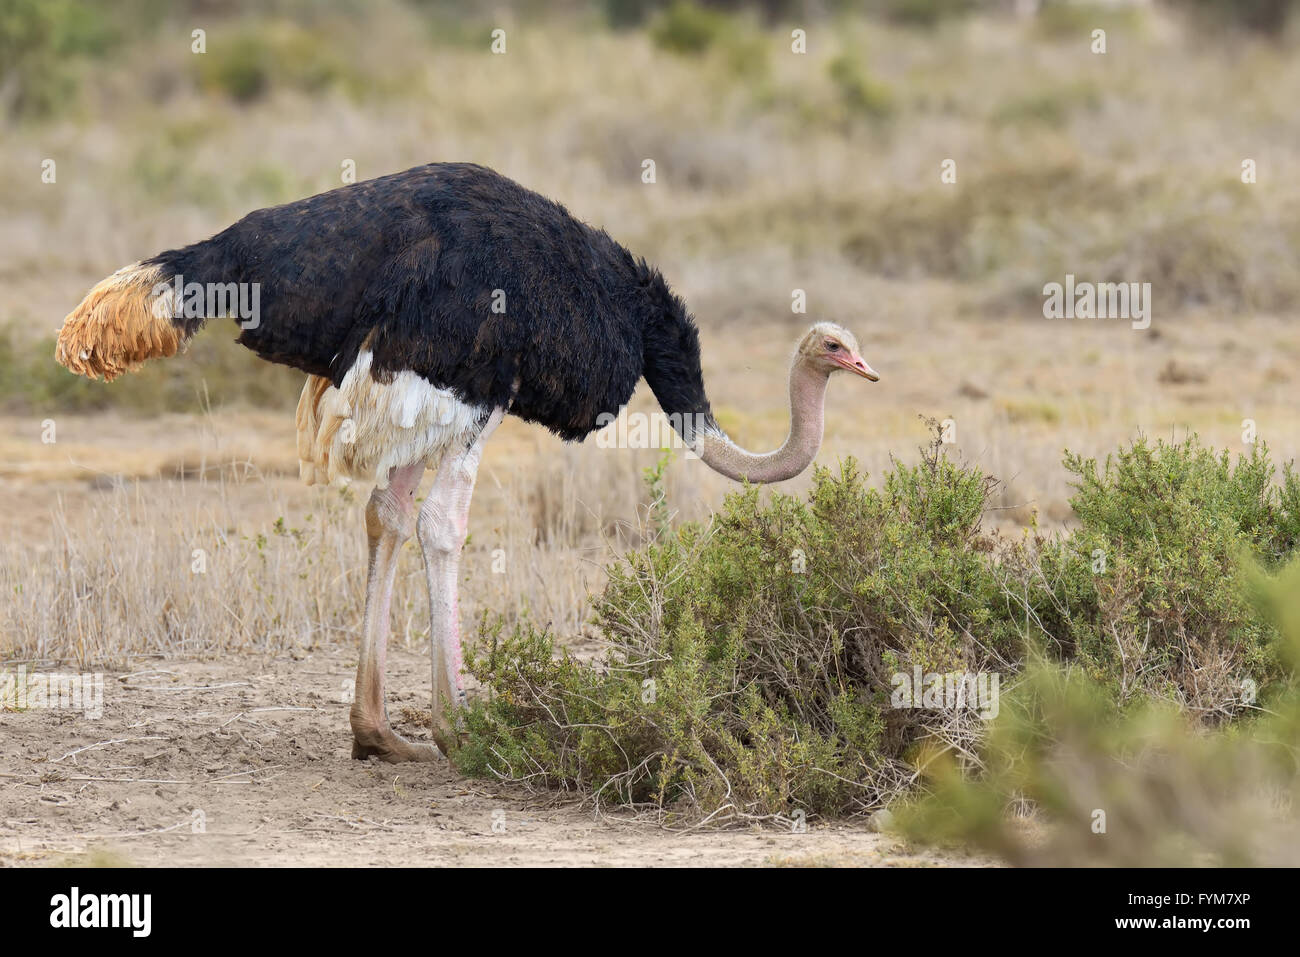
{"points": [[425, 306]]}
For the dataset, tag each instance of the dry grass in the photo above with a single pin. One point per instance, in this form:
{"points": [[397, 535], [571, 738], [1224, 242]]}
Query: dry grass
{"points": [[226, 555]]}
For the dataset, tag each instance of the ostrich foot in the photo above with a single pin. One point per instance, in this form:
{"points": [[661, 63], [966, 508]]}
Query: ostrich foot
{"points": [[447, 738], [382, 742]]}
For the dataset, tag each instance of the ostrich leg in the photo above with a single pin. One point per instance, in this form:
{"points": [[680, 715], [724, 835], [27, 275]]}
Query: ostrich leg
{"points": [[442, 527], [389, 515]]}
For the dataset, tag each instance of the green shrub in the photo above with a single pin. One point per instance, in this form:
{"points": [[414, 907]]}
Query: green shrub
{"points": [[239, 68], [924, 13], [1269, 17], [689, 29], [622, 14], [752, 660], [860, 93], [247, 63], [1148, 594], [1137, 787], [686, 27]]}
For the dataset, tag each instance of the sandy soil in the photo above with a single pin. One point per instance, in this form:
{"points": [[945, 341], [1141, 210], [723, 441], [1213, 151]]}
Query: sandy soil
{"points": [[246, 762]]}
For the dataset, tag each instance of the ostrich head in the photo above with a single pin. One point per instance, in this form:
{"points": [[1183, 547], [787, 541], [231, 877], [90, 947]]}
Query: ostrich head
{"points": [[825, 349], [834, 349]]}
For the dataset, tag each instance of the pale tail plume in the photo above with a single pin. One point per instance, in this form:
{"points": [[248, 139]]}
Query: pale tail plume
{"points": [[119, 325], [313, 443], [364, 428]]}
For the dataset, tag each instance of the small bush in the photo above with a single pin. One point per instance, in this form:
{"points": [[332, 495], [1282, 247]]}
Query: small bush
{"points": [[686, 28], [250, 62], [752, 660], [240, 69], [860, 93], [925, 13], [1121, 787], [1269, 17], [623, 14], [1149, 595]]}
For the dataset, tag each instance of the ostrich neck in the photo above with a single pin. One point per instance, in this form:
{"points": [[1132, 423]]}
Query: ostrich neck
{"points": [[807, 396]]}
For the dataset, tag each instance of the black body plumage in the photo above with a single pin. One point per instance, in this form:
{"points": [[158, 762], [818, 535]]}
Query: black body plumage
{"points": [[411, 265]]}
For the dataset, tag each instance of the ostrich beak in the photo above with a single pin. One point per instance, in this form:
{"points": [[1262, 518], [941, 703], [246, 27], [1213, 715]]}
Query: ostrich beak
{"points": [[857, 365]]}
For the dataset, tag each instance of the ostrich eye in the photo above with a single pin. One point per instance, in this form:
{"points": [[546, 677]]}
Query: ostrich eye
{"points": [[833, 346]]}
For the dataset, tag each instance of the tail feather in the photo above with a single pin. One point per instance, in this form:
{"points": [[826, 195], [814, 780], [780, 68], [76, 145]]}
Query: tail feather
{"points": [[119, 325], [322, 410], [313, 449]]}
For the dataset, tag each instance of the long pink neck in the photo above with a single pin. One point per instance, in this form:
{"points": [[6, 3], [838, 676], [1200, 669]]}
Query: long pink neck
{"points": [[807, 396]]}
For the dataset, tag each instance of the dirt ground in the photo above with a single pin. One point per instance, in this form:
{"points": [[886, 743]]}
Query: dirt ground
{"points": [[246, 762]]}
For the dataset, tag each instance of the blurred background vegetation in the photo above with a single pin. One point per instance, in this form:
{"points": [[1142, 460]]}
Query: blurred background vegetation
{"points": [[827, 162]]}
